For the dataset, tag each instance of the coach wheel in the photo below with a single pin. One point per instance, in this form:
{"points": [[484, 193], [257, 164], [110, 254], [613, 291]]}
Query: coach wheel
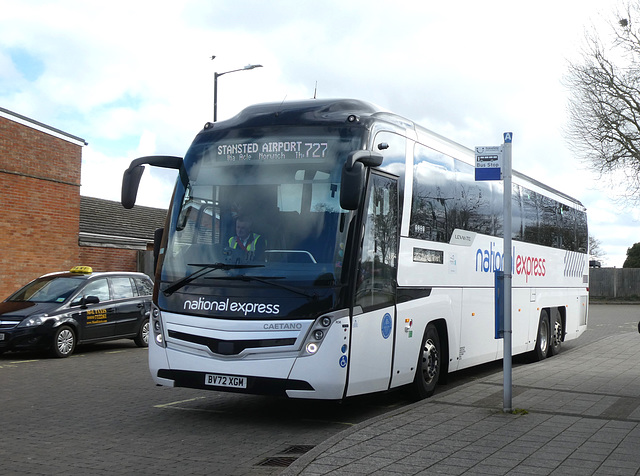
{"points": [[64, 342], [142, 339], [555, 331], [542, 342], [428, 369]]}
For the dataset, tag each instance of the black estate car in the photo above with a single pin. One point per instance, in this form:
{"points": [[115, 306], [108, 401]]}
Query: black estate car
{"points": [[59, 310]]}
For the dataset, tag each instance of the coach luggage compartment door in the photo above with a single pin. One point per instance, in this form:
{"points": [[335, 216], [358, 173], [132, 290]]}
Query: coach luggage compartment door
{"points": [[373, 329]]}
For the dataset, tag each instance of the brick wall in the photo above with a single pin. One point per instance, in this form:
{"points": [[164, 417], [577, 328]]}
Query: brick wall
{"points": [[108, 259], [39, 204]]}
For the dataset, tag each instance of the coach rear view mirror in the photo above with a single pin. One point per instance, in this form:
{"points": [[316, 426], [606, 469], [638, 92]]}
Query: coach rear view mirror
{"points": [[353, 175], [131, 176]]}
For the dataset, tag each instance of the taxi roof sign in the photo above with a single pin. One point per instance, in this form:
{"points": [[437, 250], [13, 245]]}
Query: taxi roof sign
{"points": [[81, 269]]}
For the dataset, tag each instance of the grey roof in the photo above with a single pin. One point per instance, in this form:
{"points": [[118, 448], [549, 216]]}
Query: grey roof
{"points": [[42, 125], [108, 223]]}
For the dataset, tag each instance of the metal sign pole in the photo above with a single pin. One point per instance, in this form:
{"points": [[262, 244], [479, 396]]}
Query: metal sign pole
{"points": [[508, 269], [494, 163]]}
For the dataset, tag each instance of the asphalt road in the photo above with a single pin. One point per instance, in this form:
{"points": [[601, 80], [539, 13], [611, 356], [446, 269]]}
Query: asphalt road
{"points": [[98, 412]]}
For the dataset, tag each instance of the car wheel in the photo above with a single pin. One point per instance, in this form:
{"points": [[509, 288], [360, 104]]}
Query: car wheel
{"points": [[555, 332], [142, 339], [429, 364], [64, 342], [542, 342]]}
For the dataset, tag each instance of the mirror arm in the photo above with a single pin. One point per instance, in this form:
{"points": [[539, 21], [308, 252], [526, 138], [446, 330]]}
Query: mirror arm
{"points": [[368, 158]]}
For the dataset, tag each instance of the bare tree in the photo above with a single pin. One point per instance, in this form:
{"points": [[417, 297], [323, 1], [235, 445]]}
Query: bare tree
{"points": [[604, 106], [595, 252]]}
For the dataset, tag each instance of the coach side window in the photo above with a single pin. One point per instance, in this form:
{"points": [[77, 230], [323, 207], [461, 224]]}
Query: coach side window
{"points": [[474, 206], [393, 148], [378, 264], [432, 203]]}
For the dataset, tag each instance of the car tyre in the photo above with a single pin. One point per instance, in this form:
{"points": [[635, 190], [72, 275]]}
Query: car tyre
{"points": [[64, 342], [142, 339]]}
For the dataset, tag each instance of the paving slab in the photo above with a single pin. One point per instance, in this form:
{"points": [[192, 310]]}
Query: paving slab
{"points": [[575, 413]]}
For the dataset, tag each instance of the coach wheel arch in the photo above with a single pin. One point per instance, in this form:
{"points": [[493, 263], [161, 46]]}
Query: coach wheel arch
{"points": [[441, 327], [432, 361]]}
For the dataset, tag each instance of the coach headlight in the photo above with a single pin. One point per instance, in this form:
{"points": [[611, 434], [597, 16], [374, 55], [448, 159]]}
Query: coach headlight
{"points": [[316, 335], [156, 326]]}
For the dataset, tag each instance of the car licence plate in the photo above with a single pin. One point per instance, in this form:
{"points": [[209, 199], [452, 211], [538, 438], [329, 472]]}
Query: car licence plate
{"points": [[229, 381]]}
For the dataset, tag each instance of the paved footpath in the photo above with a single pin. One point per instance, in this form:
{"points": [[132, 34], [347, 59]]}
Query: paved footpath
{"points": [[577, 413]]}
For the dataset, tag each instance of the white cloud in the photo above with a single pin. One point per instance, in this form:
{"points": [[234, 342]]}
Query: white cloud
{"points": [[136, 78]]}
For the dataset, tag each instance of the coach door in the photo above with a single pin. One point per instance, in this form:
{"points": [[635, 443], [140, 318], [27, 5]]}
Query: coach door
{"points": [[373, 329]]}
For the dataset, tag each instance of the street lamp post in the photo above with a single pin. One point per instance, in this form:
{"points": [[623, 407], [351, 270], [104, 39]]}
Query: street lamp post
{"points": [[215, 85]]}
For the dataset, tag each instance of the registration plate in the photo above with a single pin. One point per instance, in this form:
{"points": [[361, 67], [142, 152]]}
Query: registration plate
{"points": [[228, 381]]}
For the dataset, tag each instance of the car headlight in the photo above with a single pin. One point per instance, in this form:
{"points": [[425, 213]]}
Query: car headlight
{"points": [[35, 321]]}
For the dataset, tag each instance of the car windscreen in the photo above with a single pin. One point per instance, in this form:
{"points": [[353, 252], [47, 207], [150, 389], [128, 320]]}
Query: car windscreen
{"points": [[53, 289]]}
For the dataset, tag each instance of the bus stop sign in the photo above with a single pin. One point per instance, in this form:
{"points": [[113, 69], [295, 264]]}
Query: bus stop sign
{"points": [[489, 162]]}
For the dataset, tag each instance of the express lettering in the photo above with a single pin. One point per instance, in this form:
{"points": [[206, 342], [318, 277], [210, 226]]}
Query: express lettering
{"points": [[528, 266], [232, 306], [491, 260]]}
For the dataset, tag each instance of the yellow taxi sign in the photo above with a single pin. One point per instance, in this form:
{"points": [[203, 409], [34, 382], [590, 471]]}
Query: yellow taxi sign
{"points": [[81, 269]]}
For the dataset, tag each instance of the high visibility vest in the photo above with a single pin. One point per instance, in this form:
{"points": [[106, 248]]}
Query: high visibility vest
{"points": [[234, 242]]}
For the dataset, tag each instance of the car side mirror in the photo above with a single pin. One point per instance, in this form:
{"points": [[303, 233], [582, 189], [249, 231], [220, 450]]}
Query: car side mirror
{"points": [[89, 300]]}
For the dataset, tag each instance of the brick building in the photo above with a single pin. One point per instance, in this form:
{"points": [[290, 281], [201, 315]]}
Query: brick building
{"points": [[112, 238], [40, 203]]}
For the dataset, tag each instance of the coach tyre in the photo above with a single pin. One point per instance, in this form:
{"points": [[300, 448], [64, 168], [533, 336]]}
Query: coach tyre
{"points": [[142, 339], [542, 342], [64, 342], [428, 369], [555, 331]]}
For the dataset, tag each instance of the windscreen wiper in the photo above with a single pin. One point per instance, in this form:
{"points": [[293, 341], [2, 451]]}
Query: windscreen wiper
{"points": [[268, 280], [204, 269]]}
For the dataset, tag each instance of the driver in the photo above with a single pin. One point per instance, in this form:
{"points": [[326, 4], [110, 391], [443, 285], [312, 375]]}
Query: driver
{"points": [[246, 240]]}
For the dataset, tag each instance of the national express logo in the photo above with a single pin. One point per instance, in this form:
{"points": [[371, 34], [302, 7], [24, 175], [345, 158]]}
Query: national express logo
{"points": [[492, 260], [227, 305]]}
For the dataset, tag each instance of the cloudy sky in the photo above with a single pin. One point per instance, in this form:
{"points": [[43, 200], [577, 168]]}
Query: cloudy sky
{"points": [[135, 77]]}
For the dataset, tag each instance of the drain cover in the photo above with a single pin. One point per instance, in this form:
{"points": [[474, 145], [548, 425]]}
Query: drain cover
{"points": [[284, 461], [278, 461], [297, 449]]}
